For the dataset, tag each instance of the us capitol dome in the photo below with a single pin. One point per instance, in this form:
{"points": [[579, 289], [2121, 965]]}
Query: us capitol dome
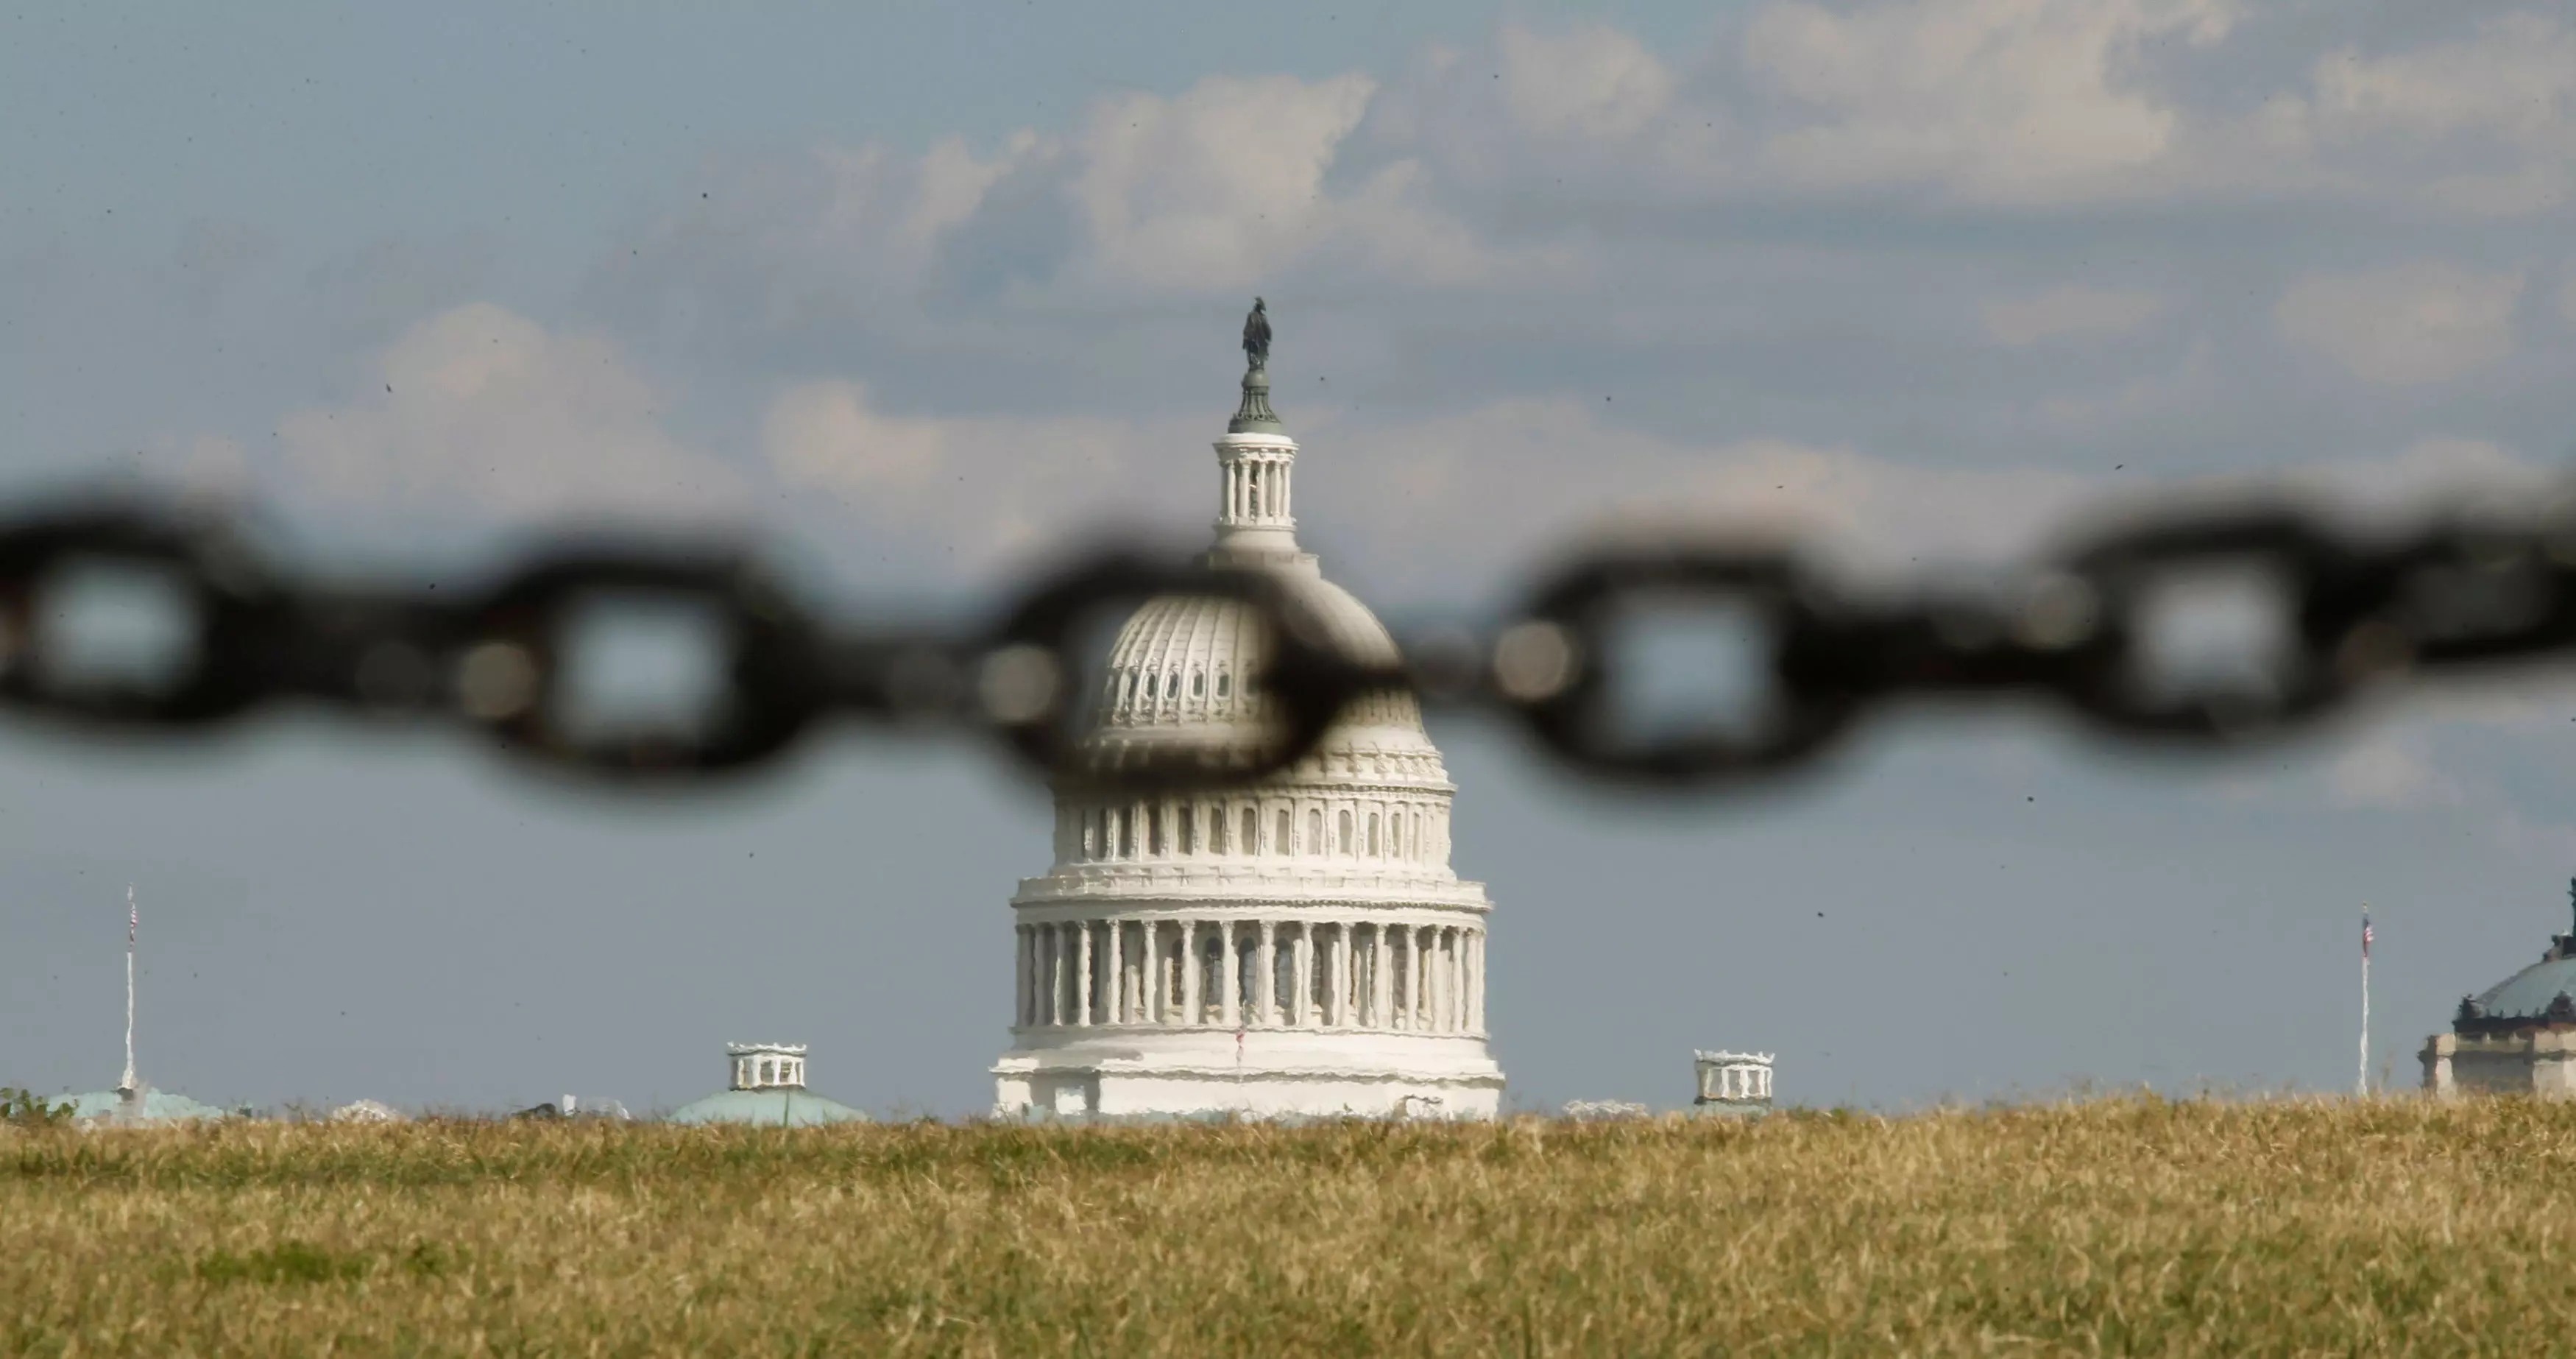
{"points": [[1297, 946]]}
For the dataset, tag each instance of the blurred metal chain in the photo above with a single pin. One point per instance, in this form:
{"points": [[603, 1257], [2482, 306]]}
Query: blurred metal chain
{"points": [[2077, 628]]}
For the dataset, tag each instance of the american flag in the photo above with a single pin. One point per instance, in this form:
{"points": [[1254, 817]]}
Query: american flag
{"points": [[133, 917], [2365, 934]]}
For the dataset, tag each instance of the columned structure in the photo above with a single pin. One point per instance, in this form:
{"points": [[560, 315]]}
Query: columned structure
{"points": [[1732, 1082], [1298, 946]]}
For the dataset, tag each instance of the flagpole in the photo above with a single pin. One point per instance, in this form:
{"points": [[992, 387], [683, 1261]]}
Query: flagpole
{"points": [[2361, 1083], [132, 919]]}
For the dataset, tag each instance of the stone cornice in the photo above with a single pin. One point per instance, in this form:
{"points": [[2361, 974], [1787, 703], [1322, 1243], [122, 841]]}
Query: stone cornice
{"points": [[1146, 876], [1123, 1066], [1298, 897]]}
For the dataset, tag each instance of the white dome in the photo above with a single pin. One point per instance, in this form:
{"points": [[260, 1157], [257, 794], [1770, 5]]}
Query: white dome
{"points": [[1178, 666], [1297, 944]]}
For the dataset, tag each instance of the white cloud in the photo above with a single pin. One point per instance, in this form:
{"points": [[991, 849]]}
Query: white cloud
{"points": [[2515, 79], [981, 489], [2007, 101], [1592, 80], [1216, 186], [484, 410], [2413, 323], [2483, 124], [2072, 311], [1482, 495]]}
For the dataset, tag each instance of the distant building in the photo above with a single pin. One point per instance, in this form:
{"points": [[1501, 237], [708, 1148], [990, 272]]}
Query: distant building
{"points": [[768, 1088], [1605, 1111], [367, 1111], [138, 1105], [2517, 1036], [1295, 947], [1732, 1082]]}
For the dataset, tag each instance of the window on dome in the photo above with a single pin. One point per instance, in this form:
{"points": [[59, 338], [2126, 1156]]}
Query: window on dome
{"points": [[1314, 829], [1154, 831], [1343, 841], [1126, 832], [1172, 685], [1189, 828], [1251, 831], [1198, 684], [1224, 684]]}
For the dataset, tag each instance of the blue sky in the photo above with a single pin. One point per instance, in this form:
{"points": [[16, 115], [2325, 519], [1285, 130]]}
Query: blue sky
{"points": [[922, 294]]}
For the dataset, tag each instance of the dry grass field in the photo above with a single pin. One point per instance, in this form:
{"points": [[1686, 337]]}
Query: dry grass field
{"points": [[2129, 1226]]}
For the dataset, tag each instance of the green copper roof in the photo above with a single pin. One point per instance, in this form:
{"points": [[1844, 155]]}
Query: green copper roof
{"points": [[776, 1108], [2528, 992]]}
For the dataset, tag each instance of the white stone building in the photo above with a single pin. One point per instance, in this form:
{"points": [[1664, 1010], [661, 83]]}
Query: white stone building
{"points": [[2517, 1037], [1298, 946]]}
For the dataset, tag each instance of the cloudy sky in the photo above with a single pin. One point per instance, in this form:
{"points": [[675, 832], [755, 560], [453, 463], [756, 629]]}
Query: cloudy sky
{"points": [[922, 296]]}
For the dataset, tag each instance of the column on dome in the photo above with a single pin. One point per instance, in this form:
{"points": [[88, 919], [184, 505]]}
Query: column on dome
{"points": [[1444, 989], [1434, 992], [1456, 971], [1381, 978], [1082, 979], [1439, 979], [1402, 1012], [1476, 982], [1299, 975], [1319, 975], [1115, 974], [1396, 938], [1230, 978], [1453, 973], [1265, 980], [1355, 1013], [1020, 976], [1191, 1013], [1053, 1013], [1150, 1004], [1063, 972], [1340, 1017], [1459, 1004], [1420, 1004], [1037, 975], [1374, 975]]}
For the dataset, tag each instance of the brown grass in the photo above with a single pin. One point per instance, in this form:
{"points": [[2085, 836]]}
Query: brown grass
{"points": [[2132, 1226]]}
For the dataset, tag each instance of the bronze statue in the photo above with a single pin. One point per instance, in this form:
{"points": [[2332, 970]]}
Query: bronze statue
{"points": [[1256, 335]]}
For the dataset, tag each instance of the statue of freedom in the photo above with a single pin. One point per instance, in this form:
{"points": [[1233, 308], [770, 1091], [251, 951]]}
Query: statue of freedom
{"points": [[1256, 335]]}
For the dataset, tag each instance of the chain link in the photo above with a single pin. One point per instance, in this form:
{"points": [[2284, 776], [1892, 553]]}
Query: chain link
{"points": [[2079, 627]]}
